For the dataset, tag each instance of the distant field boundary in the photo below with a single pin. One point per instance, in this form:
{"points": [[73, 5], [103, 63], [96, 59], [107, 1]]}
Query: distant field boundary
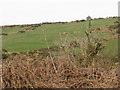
{"points": [[43, 23]]}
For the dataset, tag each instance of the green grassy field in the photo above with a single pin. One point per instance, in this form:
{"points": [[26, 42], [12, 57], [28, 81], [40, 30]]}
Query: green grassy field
{"points": [[19, 42]]}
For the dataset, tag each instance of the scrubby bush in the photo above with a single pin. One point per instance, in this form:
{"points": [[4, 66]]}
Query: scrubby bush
{"points": [[4, 56], [4, 50]]}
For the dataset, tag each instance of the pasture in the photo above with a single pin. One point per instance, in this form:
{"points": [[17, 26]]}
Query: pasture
{"points": [[49, 34]]}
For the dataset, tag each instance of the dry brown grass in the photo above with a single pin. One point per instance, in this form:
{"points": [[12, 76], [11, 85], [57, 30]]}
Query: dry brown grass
{"points": [[41, 73]]}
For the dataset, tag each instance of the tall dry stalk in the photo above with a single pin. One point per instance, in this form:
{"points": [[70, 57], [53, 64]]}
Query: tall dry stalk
{"points": [[49, 51]]}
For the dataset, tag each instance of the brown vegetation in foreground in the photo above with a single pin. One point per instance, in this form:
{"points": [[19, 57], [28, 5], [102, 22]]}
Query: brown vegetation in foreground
{"points": [[59, 73], [64, 68]]}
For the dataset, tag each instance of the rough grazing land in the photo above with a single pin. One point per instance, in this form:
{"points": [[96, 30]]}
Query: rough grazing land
{"points": [[35, 39], [61, 55]]}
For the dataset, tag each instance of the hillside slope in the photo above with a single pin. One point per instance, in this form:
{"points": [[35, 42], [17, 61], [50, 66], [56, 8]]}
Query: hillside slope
{"points": [[36, 39]]}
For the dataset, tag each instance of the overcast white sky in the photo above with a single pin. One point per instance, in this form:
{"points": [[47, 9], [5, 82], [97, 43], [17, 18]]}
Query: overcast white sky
{"points": [[37, 11]]}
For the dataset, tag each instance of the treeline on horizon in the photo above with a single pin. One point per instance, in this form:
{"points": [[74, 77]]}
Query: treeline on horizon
{"points": [[43, 23]]}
